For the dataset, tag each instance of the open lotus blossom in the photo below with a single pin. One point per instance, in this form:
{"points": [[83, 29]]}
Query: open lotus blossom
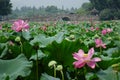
{"points": [[20, 25], [83, 59], [99, 43], [104, 31]]}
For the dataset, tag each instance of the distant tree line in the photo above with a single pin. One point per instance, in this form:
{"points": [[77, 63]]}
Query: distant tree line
{"points": [[5, 8], [105, 9], [25, 12], [41, 11]]}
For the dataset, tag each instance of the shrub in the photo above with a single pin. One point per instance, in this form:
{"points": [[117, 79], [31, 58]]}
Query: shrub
{"points": [[106, 14], [117, 14]]}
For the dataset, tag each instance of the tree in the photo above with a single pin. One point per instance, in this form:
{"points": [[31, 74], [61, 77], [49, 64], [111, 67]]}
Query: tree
{"points": [[99, 4], [5, 7], [85, 9], [51, 9], [87, 6], [105, 4], [108, 9]]}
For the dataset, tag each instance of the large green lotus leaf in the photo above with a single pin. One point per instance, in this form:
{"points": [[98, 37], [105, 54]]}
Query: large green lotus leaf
{"points": [[108, 74], [91, 76], [43, 41], [112, 52], [13, 68], [107, 62], [26, 35], [3, 38], [59, 37], [28, 49], [48, 77], [62, 52], [4, 48], [117, 43]]}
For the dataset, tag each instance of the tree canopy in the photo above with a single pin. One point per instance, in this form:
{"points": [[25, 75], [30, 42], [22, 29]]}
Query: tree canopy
{"points": [[105, 4], [5, 7], [108, 9]]}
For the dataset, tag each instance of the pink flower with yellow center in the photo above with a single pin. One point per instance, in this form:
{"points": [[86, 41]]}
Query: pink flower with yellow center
{"points": [[20, 25], [83, 59], [99, 43]]}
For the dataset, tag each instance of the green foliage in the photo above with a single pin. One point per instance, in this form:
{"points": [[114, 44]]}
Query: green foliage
{"points": [[40, 55], [43, 41], [51, 9], [13, 68], [58, 42], [108, 74], [85, 9], [99, 4], [106, 14], [82, 11], [62, 52], [47, 77], [108, 9], [87, 6]]}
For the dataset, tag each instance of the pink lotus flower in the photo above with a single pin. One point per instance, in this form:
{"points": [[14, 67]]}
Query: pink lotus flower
{"points": [[20, 25], [99, 43], [109, 30], [97, 28], [86, 30], [44, 28], [104, 31], [83, 59], [92, 28], [11, 43], [0, 27]]}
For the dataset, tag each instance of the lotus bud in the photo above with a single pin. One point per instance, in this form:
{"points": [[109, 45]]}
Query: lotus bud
{"points": [[59, 67], [96, 36], [109, 38], [52, 63], [116, 67], [72, 36], [17, 39]]}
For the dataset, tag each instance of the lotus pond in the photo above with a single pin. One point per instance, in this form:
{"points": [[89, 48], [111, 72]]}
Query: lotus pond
{"points": [[60, 50]]}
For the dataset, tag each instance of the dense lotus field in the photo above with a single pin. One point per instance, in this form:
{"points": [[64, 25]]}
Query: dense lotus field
{"points": [[60, 50]]}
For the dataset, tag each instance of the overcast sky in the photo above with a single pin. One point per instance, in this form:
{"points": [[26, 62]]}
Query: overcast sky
{"points": [[58, 3]]}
